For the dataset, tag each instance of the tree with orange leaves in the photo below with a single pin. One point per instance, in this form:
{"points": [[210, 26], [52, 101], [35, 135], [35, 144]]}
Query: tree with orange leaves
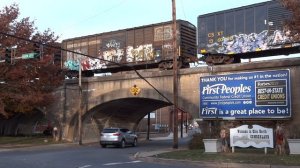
{"points": [[25, 84], [294, 23]]}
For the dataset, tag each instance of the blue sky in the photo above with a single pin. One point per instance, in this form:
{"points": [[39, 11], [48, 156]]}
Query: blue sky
{"points": [[74, 18]]}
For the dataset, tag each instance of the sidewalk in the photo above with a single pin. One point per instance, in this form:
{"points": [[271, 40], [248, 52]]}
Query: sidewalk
{"points": [[169, 136], [162, 135]]}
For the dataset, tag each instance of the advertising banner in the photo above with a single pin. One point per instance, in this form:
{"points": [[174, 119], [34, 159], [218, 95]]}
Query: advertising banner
{"points": [[256, 136], [262, 94]]}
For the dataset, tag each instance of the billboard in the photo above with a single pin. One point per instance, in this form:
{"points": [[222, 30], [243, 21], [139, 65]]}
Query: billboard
{"points": [[261, 94]]}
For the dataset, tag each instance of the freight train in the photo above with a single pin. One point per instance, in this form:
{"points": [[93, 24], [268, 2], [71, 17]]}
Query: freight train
{"points": [[251, 31], [224, 37], [149, 46]]}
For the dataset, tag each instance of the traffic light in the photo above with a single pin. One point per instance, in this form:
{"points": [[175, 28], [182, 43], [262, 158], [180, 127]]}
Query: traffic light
{"points": [[57, 57], [8, 55], [36, 50]]}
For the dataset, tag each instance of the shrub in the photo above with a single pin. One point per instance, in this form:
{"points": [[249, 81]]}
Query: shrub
{"points": [[196, 142]]}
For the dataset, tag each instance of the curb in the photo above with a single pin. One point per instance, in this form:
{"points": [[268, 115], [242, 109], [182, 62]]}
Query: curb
{"points": [[4, 148], [30, 146]]}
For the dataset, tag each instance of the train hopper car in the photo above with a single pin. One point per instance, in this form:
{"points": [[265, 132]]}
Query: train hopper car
{"points": [[149, 46], [252, 31]]}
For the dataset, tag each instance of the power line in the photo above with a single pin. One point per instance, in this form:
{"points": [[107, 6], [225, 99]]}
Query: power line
{"points": [[105, 11], [99, 13], [182, 8]]}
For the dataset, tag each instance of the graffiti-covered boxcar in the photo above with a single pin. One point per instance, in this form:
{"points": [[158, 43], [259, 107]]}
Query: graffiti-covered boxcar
{"points": [[147, 46], [256, 30]]}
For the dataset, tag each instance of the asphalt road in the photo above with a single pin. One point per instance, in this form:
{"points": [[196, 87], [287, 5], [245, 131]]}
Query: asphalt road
{"points": [[86, 156]]}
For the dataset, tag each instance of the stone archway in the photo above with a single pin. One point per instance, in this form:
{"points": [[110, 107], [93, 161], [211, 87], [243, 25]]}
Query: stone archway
{"points": [[124, 112], [121, 111]]}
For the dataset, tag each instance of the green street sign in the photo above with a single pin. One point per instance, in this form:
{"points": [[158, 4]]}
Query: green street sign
{"points": [[28, 55]]}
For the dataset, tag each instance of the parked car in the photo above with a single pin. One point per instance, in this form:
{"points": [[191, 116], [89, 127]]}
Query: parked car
{"points": [[117, 136]]}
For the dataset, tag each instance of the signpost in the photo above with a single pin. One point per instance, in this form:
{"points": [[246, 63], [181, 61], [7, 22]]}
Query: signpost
{"points": [[248, 95]]}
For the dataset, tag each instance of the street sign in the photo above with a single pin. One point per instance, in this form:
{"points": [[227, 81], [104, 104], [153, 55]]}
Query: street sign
{"points": [[28, 55]]}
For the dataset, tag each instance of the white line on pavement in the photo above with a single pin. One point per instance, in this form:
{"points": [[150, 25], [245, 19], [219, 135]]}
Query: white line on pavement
{"points": [[85, 166], [118, 163]]}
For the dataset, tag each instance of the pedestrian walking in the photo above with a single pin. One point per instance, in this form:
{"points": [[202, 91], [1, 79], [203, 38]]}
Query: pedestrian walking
{"points": [[55, 133], [280, 140]]}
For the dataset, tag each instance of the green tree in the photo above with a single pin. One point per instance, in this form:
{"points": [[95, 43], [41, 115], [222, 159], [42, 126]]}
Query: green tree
{"points": [[25, 84]]}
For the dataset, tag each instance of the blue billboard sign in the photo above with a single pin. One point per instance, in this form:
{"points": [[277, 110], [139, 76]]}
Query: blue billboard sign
{"points": [[263, 94]]}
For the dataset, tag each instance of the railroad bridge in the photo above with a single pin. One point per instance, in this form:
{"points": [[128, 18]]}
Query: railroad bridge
{"points": [[124, 98]]}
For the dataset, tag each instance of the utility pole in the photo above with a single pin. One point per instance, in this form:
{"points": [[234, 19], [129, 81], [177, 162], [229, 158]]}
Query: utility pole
{"points": [[41, 51], [80, 106], [13, 54], [175, 79], [181, 124], [148, 127]]}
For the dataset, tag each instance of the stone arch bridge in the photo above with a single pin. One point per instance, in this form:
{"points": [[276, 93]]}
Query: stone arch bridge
{"points": [[109, 101]]}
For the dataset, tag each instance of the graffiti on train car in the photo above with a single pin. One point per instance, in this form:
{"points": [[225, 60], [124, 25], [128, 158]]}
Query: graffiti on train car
{"points": [[114, 52], [243, 43], [139, 53], [168, 49], [72, 61], [163, 33]]}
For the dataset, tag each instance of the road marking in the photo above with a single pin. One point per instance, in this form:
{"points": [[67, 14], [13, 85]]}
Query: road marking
{"points": [[85, 166], [119, 163]]}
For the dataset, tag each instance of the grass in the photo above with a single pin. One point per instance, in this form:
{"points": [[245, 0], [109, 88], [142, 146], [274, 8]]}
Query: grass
{"points": [[22, 141], [246, 156]]}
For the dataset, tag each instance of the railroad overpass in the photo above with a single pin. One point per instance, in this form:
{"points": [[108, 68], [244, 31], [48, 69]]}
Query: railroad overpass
{"points": [[123, 99]]}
